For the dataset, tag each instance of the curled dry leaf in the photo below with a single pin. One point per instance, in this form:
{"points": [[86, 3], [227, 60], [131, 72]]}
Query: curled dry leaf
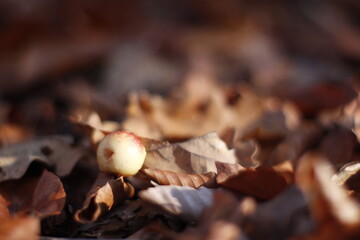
{"points": [[164, 177], [184, 202], [347, 172], [105, 194], [121, 221], [197, 155], [261, 182], [42, 197], [54, 151], [335, 212]]}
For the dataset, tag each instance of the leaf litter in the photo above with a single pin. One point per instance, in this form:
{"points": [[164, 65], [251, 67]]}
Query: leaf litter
{"points": [[251, 131]]}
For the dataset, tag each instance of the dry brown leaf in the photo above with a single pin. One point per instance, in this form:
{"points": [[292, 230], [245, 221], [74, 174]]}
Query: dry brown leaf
{"points": [[310, 99], [338, 145], [184, 202], [93, 127], [41, 197], [221, 220], [295, 144], [271, 126], [54, 151], [121, 221], [348, 174], [4, 211], [192, 110], [12, 133], [284, 216], [20, 228], [164, 177], [261, 182], [334, 211], [197, 155], [105, 194]]}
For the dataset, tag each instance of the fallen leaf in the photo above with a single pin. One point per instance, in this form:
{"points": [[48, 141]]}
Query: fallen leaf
{"points": [[92, 125], [120, 222], [164, 177], [220, 220], [41, 196], [54, 151], [338, 152], [13, 133], [347, 174], [311, 99], [197, 155], [335, 213], [105, 194], [261, 182], [20, 228], [284, 216], [184, 202]]}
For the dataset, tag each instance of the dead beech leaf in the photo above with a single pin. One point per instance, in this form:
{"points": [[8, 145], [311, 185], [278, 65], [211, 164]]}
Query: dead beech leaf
{"points": [[194, 112], [121, 221], [55, 151], [221, 220], [164, 177], [295, 144], [272, 125], [12, 133], [42, 197], [338, 145], [334, 211], [197, 155], [261, 182], [105, 194], [347, 174], [4, 211], [20, 228], [184, 202], [311, 99], [93, 127]]}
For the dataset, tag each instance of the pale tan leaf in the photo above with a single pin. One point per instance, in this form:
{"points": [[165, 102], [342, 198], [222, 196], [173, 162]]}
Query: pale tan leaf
{"points": [[54, 151], [346, 172], [164, 177], [198, 155], [185, 202], [105, 194]]}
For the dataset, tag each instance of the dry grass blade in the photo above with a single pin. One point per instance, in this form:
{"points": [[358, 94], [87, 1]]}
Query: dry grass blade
{"points": [[106, 193], [164, 177]]}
